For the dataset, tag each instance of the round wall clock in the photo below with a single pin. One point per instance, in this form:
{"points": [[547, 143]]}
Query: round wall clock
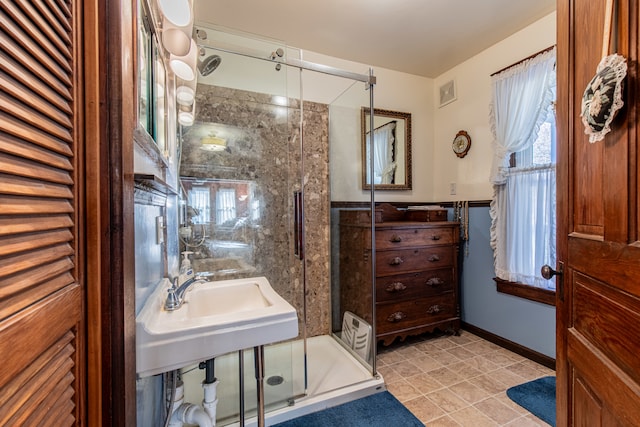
{"points": [[461, 144]]}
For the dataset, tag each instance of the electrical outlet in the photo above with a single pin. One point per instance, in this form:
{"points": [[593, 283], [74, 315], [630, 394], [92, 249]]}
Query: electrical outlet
{"points": [[452, 188]]}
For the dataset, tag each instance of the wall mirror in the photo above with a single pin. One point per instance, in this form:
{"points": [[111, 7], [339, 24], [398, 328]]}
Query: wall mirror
{"points": [[392, 149]]}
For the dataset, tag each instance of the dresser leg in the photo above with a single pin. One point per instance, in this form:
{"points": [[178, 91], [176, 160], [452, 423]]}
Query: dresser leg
{"points": [[452, 331]]}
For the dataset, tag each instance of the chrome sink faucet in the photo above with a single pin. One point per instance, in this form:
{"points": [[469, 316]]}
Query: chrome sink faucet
{"points": [[175, 295]]}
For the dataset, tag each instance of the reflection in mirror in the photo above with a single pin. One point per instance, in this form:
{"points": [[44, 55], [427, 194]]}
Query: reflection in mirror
{"points": [[217, 225], [391, 148]]}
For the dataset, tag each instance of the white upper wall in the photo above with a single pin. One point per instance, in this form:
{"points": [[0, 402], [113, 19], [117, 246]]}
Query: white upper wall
{"points": [[393, 91], [470, 112], [435, 166]]}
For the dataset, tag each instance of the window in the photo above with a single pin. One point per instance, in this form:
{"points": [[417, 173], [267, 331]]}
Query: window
{"points": [[530, 195], [543, 150], [200, 200], [384, 164], [225, 205], [523, 231]]}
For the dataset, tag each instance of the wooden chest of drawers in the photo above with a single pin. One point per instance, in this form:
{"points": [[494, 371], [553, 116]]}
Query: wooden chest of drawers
{"points": [[416, 275]]}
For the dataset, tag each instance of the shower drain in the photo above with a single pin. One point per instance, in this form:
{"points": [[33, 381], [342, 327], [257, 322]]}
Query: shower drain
{"points": [[275, 380]]}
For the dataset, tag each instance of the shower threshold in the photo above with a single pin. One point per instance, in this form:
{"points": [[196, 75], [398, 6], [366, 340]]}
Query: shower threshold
{"points": [[335, 377]]}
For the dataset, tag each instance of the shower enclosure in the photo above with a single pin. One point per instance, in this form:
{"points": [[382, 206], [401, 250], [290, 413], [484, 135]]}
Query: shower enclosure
{"points": [[255, 177]]}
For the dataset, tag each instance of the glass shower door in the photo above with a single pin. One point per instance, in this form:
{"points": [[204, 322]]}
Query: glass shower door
{"points": [[240, 167], [352, 286]]}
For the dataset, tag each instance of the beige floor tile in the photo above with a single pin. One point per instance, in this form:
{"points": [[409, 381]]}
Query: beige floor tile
{"points": [[536, 421], [546, 372], [527, 421], [479, 347], [389, 374], [525, 371], [469, 392], [497, 411], [488, 384], [444, 357], [409, 352], [445, 376], [511, 404], [406, 369], [482, 364], [445, 421], [424, 409], [461, 353], [426, 363], [458, 380], [541, 368], [464, 370], [514, 356], [501, 359], [447, 400], [428, 348], [403, 391], [445, 343], [425, 383], [472, 417], [390, 357], [464, 338], [507, 377]]}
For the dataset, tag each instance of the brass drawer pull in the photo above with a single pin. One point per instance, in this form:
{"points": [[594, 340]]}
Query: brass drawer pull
{"points": [[396, 261], [396, 317], [434, 258], [396, 287], [435, 237], [435, 281], [434, 309], [396, 239]]}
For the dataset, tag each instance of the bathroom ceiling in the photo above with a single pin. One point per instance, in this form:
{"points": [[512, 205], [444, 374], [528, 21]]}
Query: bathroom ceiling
{"points": [[421, 37]]}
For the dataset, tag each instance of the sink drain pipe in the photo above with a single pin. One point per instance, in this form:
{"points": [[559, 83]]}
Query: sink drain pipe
{"points": [[210, 388], [183, 412]]}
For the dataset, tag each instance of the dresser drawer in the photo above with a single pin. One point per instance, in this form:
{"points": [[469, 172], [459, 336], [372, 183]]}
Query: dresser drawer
{"points": [[401, 261], [391, 317], [414, 285], [427, 215], [403, 237]]}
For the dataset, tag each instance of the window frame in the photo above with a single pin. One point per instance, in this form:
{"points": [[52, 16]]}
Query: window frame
{"points": [[523, 290]]}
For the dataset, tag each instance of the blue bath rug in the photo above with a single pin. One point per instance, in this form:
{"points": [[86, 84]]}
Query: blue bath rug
{"points": [[377, 410], [538, 397]]}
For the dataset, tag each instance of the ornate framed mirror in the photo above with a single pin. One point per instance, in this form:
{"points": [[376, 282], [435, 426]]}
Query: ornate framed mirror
{"points": [[392, 149]]}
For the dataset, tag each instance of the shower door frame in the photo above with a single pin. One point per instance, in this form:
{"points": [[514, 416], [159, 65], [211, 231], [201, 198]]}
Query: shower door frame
{"points": [[370, 81]]}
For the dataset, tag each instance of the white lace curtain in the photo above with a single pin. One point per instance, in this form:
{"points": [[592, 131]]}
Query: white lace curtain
{"points": [[200, 199], [225, 205], [523, 207], [526, 225], [383, 164], [522, 96]]}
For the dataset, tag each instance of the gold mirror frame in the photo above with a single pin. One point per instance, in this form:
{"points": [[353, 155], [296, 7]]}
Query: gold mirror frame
{"points": [[401, 149]]}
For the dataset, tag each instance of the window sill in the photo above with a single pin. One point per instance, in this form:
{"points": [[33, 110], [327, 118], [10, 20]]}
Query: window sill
{"points": [[543, 296]]}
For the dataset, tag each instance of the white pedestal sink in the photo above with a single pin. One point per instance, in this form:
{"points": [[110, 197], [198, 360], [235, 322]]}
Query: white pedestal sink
{"points": [[216, 318]]}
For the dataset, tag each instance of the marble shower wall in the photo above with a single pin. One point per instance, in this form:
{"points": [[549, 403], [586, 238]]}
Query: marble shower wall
{"points": [[263, 155]]}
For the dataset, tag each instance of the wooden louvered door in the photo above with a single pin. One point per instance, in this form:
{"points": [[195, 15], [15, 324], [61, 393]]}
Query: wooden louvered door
{"points": [[41, 310], [598, 306]]}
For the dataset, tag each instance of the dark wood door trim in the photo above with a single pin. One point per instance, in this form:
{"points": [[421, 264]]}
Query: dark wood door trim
{"points": [[119, 272], [597, 227], [564, 130], [110, 298], [92, 201]]}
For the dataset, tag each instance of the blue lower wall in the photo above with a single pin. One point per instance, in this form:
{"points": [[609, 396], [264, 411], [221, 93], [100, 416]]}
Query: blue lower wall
{"points": [[528, 323]]}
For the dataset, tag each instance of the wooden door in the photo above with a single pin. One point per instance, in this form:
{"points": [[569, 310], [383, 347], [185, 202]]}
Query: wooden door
{"points": [[598, 311], [41, 186]]}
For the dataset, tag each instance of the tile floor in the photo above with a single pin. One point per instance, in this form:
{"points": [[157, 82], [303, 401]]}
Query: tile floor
{"points": [[458, 380]]}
